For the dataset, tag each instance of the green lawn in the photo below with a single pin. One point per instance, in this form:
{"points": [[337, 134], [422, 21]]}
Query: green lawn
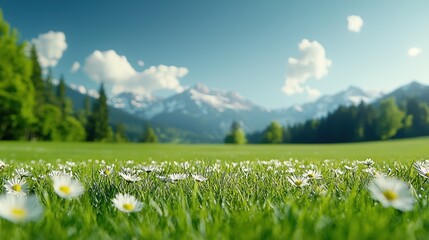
{"points": [[401, 150], [247, 195]]}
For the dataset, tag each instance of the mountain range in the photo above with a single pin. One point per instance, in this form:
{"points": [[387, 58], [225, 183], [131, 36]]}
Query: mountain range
{"points": [[202, 114]]}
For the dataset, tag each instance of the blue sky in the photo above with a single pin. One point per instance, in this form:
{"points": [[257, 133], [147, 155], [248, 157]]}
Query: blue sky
{"points": [[247, 46]]}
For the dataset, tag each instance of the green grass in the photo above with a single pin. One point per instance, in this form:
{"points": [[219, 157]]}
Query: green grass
{"points": [[243, 198], [400, 150]]}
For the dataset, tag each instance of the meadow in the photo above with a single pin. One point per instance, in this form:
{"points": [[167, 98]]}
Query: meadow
{"points": [[219, 191]]}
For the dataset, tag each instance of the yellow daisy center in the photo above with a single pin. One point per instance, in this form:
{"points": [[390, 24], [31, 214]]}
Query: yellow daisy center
{"points": [[427, 174], [107, 172], [390, 195], [128, 206], [17, 188], [310, 175], [18, 212], [298, 182], [65, 189]]}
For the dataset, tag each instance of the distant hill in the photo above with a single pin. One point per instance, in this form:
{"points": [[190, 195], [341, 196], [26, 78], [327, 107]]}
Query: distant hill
{"points": [[326, 104], [412, 90], [210, 112], [134, 124], [204, 115]]}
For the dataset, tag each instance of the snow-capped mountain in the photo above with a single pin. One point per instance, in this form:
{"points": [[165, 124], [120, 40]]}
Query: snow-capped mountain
{"points": [[325, 104], [207, 111], [201, 114], [210, 112], [131, 102], [200, 101]]}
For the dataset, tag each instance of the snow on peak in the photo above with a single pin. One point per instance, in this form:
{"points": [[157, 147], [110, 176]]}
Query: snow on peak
{"points": [[220, 100], [131, 102], [201, 88]]}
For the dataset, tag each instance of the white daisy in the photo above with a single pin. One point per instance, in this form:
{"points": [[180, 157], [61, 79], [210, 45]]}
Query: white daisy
{"points": [[313, 174], [3, 165], [392, 192], [130, 177], [351, 168], [422, 168], [150, 168], [21, 172], [177, 176], [20, 209], [66, 187], [198, 178], [163, 178], [368, 162], [107, 171], [338, 172], [298, 181], [127, 203], [16, 186]]}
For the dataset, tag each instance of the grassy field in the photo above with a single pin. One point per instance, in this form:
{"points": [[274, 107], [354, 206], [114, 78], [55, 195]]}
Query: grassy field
{"points": [[400, 150], [248, 193]]}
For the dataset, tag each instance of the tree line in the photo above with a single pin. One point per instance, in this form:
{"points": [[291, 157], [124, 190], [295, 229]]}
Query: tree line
{"points": [[32, 107], [380, 121]]}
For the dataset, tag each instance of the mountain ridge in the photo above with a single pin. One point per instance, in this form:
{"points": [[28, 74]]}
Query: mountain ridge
{"points": [[207, 114]]}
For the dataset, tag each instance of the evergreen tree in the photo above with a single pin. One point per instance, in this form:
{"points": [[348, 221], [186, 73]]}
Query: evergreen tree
{"points": [[98, 128], [61, 96], [50, 97], [16, 88], [84, 113], [236, 135], [149, 135], [37, 78], [273, 133], [64, 103]]}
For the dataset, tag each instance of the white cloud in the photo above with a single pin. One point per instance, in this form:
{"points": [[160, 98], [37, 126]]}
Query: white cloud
{"points": [[311, 64], [108, 67], [50, 48], [140, 63], [75, 67], [414, 51], [116, 71], [354, 23]]}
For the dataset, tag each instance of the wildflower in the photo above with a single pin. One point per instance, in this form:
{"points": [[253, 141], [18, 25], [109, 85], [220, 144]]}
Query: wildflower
{"points": [[129, 175], [391, 192], [21, 172], [20, 209], [338, 171], [16, 186], [71, 164], [422, 169], [150, 168], [368, 162], [3, 165], [198, 178], [107, 171], [66, 187], [313, 174], [177, 176], [163, 178], [298, 181], [352, 169], [127, 203]]}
